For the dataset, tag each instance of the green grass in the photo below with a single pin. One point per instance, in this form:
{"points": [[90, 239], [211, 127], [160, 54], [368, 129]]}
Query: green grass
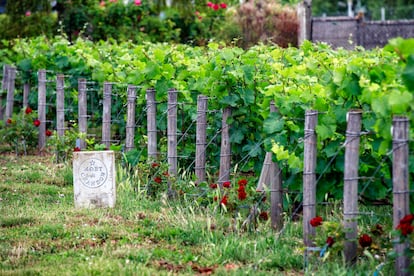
{"points": [[43, 234]]}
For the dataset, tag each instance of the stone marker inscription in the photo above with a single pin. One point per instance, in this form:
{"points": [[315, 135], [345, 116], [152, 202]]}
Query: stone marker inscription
{"points": [[93, 173], [94, 178]]}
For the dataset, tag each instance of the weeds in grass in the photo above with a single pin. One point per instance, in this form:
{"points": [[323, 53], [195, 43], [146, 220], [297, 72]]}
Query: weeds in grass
{"points": [[42, 232]]}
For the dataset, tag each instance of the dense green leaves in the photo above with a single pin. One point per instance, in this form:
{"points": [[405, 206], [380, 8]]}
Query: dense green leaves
{"points": [[380, 82]]}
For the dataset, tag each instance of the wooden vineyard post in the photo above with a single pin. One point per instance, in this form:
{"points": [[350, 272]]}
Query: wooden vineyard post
{"points": [[130, 125], [271, 175], [172, 131], [275, 180], [353, 133], [4, 86], [10, 92], [26, 91], [309, 177], [41, 109], [225, 149], [60, 105], [106, 116], [82, 111], [304, 13], [400, 180], [151, 124], [172, 135], [201, 138], [264, 173]]}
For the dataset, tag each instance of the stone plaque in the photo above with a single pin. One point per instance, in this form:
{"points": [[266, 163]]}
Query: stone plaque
{"points": [[94, 179]]}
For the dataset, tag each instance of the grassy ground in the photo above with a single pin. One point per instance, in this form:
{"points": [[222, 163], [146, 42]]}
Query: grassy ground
{"points": [[41, 233]]}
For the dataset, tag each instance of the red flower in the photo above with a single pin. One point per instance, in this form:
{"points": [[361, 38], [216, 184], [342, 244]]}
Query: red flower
{"points": [[226, 184], [215, 198], [28, 110], [166, 174], [408, 219], [405, 225], [216, 7], [36, 122], [224, 200], [48, 132], [213, 185], [9, 121], [158, 179], [137, 3], [76, 149], [223, 5], [242, 182], [209, 4], [316, 221], [241, 194], [263, 216], [28, 13], [330, 241], [405, 229], [365, 240], [102, 3], [155, 165]]}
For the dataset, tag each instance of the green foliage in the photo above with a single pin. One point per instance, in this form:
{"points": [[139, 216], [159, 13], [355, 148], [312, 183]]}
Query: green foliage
{"points": [[295, 79], [63, 146]]}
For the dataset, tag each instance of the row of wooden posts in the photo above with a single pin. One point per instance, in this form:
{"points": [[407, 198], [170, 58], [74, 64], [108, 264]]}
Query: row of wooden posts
{"points": [[270, 175]]}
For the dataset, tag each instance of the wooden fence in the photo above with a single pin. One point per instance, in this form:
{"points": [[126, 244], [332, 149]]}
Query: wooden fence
{"points": [[271, 173]]}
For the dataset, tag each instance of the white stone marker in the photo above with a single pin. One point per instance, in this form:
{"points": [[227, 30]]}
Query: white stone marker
{"points": [[94, 179]]}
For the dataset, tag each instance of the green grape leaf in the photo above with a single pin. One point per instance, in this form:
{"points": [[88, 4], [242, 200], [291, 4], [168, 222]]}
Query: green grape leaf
{"points": [[231, 100], [273, 123], [408, 74], [247, 95], [237, 136]]}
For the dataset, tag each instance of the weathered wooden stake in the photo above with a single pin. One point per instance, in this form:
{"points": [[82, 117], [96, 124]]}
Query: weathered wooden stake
{"points": [[4, 86], [60, 105], [353, 133], [41, 109], [276, 191], [10, 92], [309, 177], [201, 138], [130, 125], [172, 131], [225, 150], [82, 111], [264, 173], [106, 116], [400, 182], [151, 124], [26, 91], [304, 12]]}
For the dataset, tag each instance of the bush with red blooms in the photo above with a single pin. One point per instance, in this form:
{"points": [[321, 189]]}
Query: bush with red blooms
{"points": [[239, 196], [154, 177], [330, 240], [20, 131], [404, 233]]}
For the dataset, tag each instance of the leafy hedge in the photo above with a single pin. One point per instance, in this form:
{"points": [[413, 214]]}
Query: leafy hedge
{"points": [[194, 23], [380, 82]]}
